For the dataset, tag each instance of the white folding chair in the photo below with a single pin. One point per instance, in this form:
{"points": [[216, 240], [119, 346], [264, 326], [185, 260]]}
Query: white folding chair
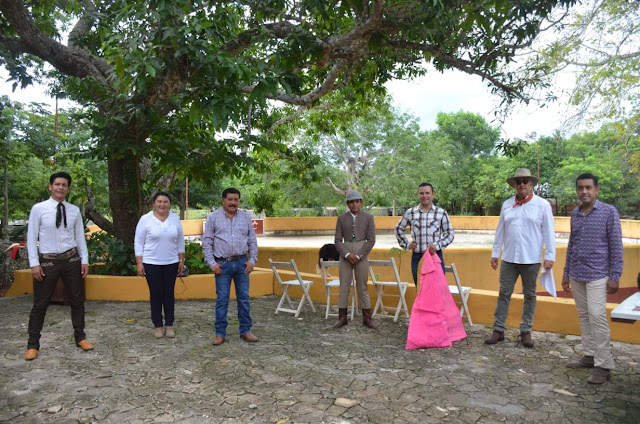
{"points": [[330, 284], [380, 287], [460, 291], [285, 285]]}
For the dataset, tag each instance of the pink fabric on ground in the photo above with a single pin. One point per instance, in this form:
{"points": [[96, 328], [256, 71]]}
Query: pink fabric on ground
{"points": [[435, 318]]}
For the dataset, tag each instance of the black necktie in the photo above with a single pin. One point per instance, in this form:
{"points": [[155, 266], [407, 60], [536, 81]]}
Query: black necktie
{"points": [[61, 214]]}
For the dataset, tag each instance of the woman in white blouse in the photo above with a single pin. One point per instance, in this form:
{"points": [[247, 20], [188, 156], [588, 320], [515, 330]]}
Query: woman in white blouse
{"points": [[159, 248]]}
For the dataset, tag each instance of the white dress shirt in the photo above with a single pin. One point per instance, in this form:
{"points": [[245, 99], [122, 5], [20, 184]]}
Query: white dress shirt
{"points": [[523, 230], [42, 229], [159, 242]]}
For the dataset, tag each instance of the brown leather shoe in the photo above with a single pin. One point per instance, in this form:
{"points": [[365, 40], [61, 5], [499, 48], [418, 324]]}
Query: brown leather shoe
{"points": [[582, 363], [31, 354], [218, 340], [84, 345], [526, 339], [250, 337], [342, 318], [496, 336], [367, 320], [599, 376]]}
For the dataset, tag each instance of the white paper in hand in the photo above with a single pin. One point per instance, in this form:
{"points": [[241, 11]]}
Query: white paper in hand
{"points": [[546, 280]]}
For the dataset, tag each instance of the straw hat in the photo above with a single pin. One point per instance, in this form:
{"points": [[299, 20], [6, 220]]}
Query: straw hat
{"points": [[522, 173]]}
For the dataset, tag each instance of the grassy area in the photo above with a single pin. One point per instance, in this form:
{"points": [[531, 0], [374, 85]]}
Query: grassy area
{"points": [[196, 213]]}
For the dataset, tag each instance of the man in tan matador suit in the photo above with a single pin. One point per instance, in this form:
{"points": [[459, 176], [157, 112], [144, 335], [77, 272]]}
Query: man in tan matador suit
{"points": [[355, 237]]}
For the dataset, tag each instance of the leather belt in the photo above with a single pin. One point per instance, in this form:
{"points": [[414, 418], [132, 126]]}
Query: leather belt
{"points": [[230, 258], [64, 255]]}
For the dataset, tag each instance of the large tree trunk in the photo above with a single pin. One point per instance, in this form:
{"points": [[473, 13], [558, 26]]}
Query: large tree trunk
{"points": [[125, 195]]}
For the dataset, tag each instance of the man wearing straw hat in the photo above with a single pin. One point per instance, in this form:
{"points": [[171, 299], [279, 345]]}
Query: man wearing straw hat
{"points": [[525, 227]]}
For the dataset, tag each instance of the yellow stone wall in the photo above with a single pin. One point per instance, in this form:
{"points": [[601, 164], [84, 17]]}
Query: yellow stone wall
{"points": [[555, 315], [473, 264], [134, 289]]}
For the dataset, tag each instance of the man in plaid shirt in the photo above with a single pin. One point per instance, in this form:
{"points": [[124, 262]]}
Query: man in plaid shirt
{"points": [[431, 229]]}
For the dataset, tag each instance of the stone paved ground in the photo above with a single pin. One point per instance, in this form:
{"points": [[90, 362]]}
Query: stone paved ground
{"points": [[301, 371]]}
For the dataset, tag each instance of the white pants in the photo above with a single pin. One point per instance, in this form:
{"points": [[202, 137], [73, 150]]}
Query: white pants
{"points": [[591, 302]]}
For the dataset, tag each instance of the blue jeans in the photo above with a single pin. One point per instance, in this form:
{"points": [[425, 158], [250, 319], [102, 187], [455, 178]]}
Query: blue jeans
{"points": [[232, 270], [415, 260]]}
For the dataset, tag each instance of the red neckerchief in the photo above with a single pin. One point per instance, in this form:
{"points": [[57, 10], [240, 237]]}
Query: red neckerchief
{"points": [[522, 202]]}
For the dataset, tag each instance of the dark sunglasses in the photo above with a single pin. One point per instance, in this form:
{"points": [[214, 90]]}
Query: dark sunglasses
{"points": [[522, 181]]}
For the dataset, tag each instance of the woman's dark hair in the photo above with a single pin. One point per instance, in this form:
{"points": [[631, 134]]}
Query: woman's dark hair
{"points": [[161, 193]]}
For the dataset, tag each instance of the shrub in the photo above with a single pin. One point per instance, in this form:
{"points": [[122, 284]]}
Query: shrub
{"points": [[110, 255], [194, 258]]}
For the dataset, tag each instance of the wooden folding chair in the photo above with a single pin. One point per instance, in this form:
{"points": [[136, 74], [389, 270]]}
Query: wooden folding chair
{"points": [[461, 292], [331, 284], [380, 287], [285, 285]]}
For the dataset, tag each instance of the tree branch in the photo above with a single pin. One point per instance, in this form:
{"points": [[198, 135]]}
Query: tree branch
{"points": [[95, 216], [70, 61]]}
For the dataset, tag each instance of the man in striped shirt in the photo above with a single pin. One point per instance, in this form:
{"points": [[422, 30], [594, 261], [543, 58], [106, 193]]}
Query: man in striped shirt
{"points": [[230, 249], [431, 229], [593, 269]]}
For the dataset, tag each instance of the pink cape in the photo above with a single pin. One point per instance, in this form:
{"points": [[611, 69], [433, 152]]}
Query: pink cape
{"points": [[435, 318]]}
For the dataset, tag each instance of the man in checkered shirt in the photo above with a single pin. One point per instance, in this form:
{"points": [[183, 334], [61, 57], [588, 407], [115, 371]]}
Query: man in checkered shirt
{"points": [[431, 229]]}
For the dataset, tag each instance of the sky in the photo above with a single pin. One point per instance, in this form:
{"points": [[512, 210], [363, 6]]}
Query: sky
{"points": [[453, 91], [423, 98]]}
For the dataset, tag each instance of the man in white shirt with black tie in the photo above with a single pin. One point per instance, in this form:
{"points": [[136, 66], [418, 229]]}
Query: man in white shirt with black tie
{"points": [[58, 229]]}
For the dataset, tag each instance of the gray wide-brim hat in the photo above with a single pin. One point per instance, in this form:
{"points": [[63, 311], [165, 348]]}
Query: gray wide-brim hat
{"points": [[522, 173], [354, 195]]}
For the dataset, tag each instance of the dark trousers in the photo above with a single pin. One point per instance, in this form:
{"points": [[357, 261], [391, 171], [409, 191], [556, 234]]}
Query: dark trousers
{"points": [[162, 281], [415, 260], [71, 273]]}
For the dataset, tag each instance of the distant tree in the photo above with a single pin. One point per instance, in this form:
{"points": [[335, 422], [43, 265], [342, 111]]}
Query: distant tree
{"points": [[589, 152], [466, 140], [489, 185], [599, 43]]}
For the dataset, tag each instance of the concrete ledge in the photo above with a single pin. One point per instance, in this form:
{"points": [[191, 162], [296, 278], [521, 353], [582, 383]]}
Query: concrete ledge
{"points": [[134, 289], [553, 315], [473, 264]]}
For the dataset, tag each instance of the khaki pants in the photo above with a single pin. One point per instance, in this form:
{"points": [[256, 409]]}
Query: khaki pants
{"points": [[591, 303], [361, 271]]}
